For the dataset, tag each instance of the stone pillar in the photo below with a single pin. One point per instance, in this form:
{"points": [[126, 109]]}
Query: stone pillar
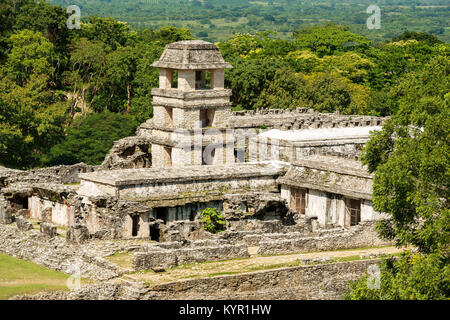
{"points": [[186, 80], [165, 78], [159, 115], [48, 229], [157, 156], [6, 216], [229, 147], [77, 235], [218, 79]]}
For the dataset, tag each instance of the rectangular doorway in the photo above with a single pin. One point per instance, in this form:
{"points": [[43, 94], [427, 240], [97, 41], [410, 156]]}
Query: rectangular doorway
{"points": [[161, 214], [135, 225], [298, 199], [352, 212], [155, 232]]}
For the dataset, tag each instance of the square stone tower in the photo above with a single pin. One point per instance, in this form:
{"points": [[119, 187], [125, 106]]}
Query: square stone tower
{"points": [[191, 107]]}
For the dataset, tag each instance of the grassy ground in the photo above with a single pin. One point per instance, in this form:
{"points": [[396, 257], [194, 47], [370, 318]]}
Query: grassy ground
{"points": [[19, 277]]}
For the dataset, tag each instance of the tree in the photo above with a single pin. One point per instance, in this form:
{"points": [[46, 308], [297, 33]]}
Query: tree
{"points": [[326, 40], [330, 92], [31, 121], [50, 20], [171, 34], [146, 78], [284, 92], [411, 157], [87, 74], [111, 32], [248, 78], [120, 72], [31, 54], [427, 38], [411, 277], [348, 64], [411, 161], [90, 138]]}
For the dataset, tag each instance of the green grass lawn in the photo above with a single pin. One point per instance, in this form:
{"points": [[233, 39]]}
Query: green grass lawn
{"points": [[19, 277]]}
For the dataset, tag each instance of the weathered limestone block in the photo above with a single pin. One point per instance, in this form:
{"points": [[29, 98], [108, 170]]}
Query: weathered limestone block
{"points": [[23, 224], [157, 259], [223, 252], [77, 235], [6, 215], [47, 215], [23, 212], [49, 229], [172, 236], [129, 153], [171, 258]]}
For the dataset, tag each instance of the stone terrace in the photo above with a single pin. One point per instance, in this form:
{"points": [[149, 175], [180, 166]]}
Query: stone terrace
{"points": [[154, 181]]}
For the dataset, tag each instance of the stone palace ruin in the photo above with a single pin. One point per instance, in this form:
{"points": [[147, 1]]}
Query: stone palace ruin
{"points": [[285, 180]]}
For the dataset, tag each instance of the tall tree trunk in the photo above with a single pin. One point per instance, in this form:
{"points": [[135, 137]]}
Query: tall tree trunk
{"points": [[128, 98]]}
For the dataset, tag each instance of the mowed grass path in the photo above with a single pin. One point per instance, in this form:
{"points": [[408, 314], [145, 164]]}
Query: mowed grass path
{"points": [[19, 277]]}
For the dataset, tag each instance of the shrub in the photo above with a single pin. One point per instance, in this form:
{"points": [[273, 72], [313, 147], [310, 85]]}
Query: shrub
{"points": [[213, 221]]}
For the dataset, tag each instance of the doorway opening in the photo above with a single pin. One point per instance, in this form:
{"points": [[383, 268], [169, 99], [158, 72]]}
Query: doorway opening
{"points": [[353, 210], [161, 214], [135, 228], [155, 232], [298, 199], [207, 117]]}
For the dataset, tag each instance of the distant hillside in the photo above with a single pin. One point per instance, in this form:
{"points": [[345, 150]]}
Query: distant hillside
{"points": [[217, 19]]}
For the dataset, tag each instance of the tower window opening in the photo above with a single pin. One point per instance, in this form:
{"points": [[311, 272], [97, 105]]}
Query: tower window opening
{"points": [[174, 79]]}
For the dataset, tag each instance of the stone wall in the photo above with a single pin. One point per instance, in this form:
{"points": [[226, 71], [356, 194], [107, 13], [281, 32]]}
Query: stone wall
{"points": [[362, 235], [300, 118], [310, 282], [58, 174], [170, 258]]}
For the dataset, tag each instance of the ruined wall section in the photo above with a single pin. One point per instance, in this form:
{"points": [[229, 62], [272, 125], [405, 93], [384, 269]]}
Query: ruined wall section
{"points": [[310, 282], [247, 124], [362, 235], [129, 153], [170, 258], [300, 118], [65, 174]]}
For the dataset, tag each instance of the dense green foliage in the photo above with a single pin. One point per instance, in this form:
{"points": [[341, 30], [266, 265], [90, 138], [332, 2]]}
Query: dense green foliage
{"points": [[411, 277], [327, 68], [213, 221], [50, 75], [216, 20], [88, 139], [411, 161]]}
